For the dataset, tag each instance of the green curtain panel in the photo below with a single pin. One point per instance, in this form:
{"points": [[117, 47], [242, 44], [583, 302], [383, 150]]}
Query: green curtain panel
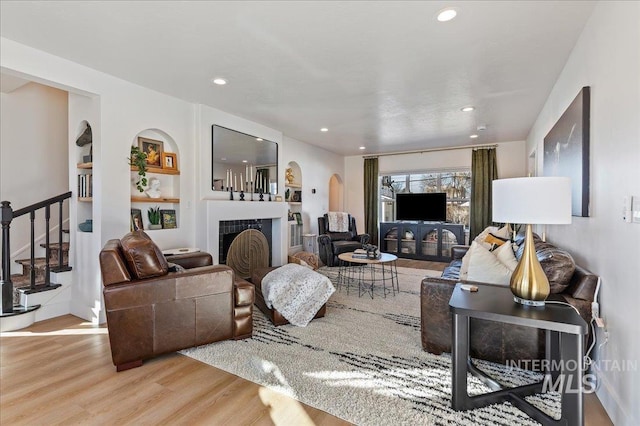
{"points": [[371, 198], [483, 171]]}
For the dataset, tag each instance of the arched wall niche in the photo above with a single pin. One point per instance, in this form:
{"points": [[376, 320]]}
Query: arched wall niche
{"points": [[85, 148], [336, 193], [163, 182], [296, 172], [169, 144]]}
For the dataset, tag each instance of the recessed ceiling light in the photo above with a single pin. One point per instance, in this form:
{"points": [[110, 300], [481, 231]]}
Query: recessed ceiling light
{"points": [[259, 139], [446, 14], [473, 136], [244, 161], [219, 81], [363, 147], [467, 108], [324, 129], [224, 159]]}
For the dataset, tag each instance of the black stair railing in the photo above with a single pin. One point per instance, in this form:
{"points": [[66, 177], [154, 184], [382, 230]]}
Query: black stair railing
{"points": [[7, 215]]}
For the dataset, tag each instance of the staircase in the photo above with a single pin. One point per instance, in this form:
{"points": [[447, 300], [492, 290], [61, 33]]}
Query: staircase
{"points": [[22, 282], [23, 294]]}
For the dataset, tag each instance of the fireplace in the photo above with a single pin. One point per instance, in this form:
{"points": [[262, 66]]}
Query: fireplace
{"points": [[230, 229], [225, 216]]}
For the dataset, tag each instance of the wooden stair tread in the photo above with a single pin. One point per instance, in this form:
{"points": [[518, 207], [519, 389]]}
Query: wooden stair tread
{"points": [[40, 287], [38, 262], [20, 281], [56, 246]]}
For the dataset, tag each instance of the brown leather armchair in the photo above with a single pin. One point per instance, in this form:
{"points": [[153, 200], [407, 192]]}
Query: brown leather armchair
{"points": [[152, 311], [331, 244]]}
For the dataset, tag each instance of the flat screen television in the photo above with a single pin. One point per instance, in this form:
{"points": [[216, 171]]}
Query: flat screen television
{"points": [[430, 207]]}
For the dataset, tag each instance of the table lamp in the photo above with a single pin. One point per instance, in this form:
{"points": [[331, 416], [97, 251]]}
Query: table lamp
{"points": [[530, 201]]}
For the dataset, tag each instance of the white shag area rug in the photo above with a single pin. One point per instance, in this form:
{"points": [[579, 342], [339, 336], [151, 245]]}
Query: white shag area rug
{"points": [[363, 362]]}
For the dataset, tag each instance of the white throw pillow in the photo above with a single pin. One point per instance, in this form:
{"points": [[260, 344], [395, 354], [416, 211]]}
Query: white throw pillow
{"points": [[505, 254], [485, 267], [464, 268], [481, 236], [503, 232]]}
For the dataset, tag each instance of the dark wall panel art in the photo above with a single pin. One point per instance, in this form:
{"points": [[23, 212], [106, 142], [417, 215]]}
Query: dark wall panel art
{"points": [[566, 151]]}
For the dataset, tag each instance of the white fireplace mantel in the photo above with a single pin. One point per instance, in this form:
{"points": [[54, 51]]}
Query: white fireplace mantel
{"points": [[219, 210]]}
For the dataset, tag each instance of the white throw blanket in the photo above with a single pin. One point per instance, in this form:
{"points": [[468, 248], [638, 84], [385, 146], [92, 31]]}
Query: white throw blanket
{"points": [[296, 292], [338, 221]]}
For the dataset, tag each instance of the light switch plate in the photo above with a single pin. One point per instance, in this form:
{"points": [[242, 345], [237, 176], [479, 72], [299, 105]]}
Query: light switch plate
{"points": [[635, 208]]}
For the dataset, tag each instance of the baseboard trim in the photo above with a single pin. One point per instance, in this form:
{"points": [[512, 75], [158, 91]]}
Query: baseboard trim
{"points": [[610, 401]]}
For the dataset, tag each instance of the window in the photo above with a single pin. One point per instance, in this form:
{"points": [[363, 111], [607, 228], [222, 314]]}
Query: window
{"points": [[455, 183]]}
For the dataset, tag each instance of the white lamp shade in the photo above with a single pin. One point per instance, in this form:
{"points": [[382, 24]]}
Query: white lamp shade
{"points": [[532, 200]]}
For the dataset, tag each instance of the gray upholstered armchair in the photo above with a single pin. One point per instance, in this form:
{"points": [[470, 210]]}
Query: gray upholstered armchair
{"points": [[331, 244]]}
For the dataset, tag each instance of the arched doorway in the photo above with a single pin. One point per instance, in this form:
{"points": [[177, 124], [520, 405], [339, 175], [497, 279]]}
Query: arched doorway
{"points": [[336, 194]]}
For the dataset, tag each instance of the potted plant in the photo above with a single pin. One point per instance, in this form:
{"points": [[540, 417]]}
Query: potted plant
{"points": [[154, 217], [139, 159]]}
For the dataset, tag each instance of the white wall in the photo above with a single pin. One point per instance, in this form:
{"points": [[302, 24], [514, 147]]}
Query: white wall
{"points": [[125, 110], [33, 156], [510, 155], [213, 206], [317, 166], [118, 111], [83, 247], [607, 58]]}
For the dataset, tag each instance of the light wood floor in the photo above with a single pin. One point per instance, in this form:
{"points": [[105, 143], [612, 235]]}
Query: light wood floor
{"points": [[59, 371]]}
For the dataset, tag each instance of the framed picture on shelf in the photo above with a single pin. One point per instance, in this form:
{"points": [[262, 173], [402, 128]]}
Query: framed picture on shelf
{"points": [[168, 218], [153, 149], [170, 161], [136, 220], [298, 217]]}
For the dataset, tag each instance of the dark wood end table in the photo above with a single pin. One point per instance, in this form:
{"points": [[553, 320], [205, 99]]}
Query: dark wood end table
{"points": [[564, 351]]}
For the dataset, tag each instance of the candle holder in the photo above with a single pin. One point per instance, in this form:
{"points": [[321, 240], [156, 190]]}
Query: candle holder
{"points": [[261, 195], [231, 193], [269, 196], [241, 195]]}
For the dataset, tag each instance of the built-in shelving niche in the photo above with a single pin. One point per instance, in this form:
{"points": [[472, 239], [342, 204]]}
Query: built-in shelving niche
{"points": [[169, 178], [84, 171]]}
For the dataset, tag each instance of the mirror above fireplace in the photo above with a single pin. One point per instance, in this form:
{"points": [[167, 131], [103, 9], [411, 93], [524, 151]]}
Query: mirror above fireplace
{"points": [[242, 154]]}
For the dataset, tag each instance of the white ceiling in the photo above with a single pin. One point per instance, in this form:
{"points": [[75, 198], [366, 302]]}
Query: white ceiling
{"points": [[385, 75]]}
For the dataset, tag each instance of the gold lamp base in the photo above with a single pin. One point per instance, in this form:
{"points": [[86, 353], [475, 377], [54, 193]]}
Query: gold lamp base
{"points": [[529, 284]]}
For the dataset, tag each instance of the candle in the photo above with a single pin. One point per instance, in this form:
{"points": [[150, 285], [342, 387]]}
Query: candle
{"points": [[251, 173], [235, 181], [227, 185], [241, 183]]}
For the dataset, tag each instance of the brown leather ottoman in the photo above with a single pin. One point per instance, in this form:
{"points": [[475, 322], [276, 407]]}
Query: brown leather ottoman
{"points": [[275, 316]]}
